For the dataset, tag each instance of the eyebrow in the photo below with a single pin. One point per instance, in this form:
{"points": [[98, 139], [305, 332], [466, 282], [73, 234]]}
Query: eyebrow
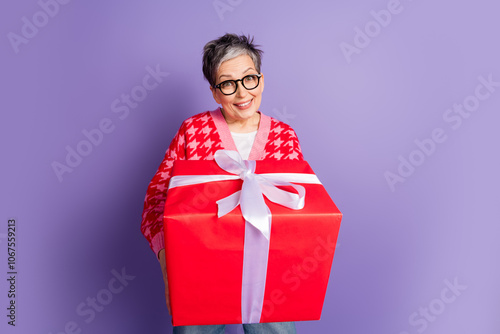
{"points": [[228, 75]]}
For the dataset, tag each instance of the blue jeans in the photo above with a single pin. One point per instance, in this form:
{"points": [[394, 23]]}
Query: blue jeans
{"points": [[265, 328]]}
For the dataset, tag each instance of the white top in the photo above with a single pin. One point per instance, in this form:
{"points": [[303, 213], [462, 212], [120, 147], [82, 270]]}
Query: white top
{"points": [[244, 142]]}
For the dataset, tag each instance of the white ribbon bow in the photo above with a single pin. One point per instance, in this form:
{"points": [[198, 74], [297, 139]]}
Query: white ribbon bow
{"points": [[250, 197]]}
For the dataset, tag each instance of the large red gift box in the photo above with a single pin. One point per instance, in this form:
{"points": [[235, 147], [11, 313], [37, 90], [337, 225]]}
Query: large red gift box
{"points": [[205, 254]]}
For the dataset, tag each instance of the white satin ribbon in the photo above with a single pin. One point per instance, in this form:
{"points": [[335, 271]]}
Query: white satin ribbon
{"points": [[256, 214], [250, 198]]}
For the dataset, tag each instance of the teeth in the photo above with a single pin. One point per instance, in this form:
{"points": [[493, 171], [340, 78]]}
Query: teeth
{"points": [[244, 104]]}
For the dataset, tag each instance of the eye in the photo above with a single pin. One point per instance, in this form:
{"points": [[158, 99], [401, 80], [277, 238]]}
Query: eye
{"points": [[227, 84], [250, 78]]}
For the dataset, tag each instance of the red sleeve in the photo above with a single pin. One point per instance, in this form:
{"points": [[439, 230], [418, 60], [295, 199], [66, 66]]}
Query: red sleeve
{"points": [[154, 203], [282, 143], [295, 150]]}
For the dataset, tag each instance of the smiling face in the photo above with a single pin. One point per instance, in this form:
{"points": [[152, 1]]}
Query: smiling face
{"points": [[242, 106]]}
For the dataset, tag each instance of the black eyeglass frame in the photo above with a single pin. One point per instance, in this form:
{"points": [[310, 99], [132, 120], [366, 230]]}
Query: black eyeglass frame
{"points": [[242, 83]]}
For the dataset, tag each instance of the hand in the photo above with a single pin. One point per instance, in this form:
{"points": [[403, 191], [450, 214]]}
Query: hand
{"points": [[163, 263]]}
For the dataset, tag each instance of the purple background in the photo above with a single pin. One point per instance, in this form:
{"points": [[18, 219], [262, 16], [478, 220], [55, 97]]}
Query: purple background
{"points": [[397, 247]]}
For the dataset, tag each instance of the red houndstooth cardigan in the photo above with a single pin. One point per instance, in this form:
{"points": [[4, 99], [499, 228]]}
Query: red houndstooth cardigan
{"points": [[198, 138]]}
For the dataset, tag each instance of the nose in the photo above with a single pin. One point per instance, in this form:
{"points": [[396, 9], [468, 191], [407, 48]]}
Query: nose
{"points": [[240, 90]]}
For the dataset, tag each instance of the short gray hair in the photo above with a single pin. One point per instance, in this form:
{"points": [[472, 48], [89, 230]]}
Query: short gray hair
{"points": [[225, 48]]}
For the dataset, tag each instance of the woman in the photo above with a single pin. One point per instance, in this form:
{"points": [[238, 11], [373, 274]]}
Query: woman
{"points": [[231, 64]]}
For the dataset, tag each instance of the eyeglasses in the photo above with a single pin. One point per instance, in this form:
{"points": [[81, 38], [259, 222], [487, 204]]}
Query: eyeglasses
{"points": [[229, 87]]}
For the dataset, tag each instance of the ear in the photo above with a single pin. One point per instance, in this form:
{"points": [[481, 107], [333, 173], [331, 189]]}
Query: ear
{"points": [[262, 81], [215, 95]]}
